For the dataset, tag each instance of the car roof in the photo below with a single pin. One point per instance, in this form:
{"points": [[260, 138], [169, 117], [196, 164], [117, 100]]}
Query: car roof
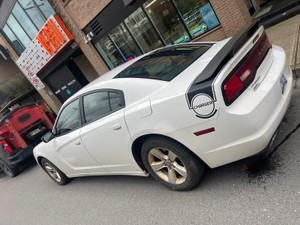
{"points": [[143, 85]]}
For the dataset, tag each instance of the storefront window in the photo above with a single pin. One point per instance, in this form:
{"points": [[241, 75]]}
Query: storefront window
{"points": [[33, 12], [24, 21], [198, 15], [155, 24], [45, 7], [122, 39], [110, 54], [143, 31], [13, 39], [166, 20], [18, 30]]}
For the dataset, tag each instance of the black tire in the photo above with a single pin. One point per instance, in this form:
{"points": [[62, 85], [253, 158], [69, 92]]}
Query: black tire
{"points": [[54, 173], [12, 172], [171, 163]]}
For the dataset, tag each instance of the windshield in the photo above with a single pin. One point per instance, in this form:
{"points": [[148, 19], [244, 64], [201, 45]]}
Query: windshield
{"points": [[165, 64]]}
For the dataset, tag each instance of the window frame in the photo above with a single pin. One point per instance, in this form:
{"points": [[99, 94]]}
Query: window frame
{"points": [[110, 112], [54, 130]]}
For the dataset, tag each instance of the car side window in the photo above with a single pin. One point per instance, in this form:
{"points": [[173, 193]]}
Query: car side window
{"points": [[99, 104], [68, 119]]}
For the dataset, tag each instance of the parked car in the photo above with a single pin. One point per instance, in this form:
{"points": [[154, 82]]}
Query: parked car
{"points": [[20, 130], [171, 112]]}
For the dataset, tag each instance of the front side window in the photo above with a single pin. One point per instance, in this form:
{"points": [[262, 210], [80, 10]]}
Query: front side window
{"points": [[98, 104], [68, 119]]}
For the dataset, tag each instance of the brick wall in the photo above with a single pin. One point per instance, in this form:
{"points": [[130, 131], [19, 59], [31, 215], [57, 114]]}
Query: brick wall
{"points": [[83, 12], [70, 18], [233, 15]]}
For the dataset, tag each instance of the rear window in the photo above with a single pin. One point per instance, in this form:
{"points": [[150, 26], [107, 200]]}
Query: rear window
{"points": [[164, 64]]}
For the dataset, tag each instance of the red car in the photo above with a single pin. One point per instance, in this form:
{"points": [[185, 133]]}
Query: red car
{"points": [[20, 131]]}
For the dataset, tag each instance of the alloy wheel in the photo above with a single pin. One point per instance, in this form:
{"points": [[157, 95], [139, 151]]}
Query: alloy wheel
{"points": [[167, 165], [52, 172]]}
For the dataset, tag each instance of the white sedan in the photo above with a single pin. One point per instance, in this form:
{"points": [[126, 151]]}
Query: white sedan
{"points": [[171, 112]]}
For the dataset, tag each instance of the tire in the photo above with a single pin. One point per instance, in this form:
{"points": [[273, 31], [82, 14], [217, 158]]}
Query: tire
{"points": [[171, 163], [54, 173], [12, 172]]}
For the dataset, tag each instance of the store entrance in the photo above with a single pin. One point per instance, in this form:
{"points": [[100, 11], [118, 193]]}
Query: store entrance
{"points": [[66, 80]]}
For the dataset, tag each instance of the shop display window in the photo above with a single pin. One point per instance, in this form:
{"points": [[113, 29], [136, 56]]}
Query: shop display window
{"points": [[124, 42], [143, 31], [155, 24], [166, 20], [198, 15], [109, 52]]}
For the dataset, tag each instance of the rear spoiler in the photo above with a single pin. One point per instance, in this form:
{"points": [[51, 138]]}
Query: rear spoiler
{"points": [[203, 83], [228, 51]]}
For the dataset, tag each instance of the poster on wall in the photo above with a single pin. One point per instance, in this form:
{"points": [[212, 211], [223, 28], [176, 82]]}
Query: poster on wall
{"points": [[209, 16]]}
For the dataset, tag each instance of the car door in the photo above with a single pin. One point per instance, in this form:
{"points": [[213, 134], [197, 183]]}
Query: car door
{"points": [[105, 134], [67, 144]]}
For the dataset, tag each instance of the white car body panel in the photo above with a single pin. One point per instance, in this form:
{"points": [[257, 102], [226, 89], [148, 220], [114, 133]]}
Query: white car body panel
{"points": [[153, 106], [97, 139]]}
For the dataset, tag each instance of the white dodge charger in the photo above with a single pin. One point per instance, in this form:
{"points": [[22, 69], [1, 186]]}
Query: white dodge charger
{"points": [[172, 111]]}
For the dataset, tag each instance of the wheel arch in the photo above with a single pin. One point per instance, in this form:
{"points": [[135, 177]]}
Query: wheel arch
{"points": [[137, 145], [39, 160]]}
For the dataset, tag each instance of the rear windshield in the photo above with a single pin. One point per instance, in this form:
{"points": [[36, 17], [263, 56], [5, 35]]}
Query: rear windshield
{"points": [[164, 64]]}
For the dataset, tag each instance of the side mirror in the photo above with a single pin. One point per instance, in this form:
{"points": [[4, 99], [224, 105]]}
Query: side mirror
{"points": [[48, 137]]}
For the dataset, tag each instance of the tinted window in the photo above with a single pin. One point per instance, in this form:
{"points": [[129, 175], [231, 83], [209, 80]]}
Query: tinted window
{"points": [[99, 104], [115, 100], [69, 118], [165, 64]]}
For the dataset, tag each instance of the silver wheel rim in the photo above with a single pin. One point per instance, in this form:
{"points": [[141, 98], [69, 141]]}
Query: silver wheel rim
{"points": [[52, 172], [167, 165]]}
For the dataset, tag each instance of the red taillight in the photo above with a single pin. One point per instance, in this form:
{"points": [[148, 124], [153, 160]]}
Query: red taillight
{"points": [[8, 149], [233, 86], [5, 146], [243, 76]]}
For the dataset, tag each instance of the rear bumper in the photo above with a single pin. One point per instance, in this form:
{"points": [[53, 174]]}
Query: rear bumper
{"points": [[18, 157], [246, 127]]}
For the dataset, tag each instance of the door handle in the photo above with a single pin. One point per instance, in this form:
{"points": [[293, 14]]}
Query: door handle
{"points": [[116, 127], [77, 143]]}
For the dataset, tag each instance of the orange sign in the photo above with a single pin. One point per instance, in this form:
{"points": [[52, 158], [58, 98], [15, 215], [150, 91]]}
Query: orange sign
{"points": [[50, 36], [50, 41]]}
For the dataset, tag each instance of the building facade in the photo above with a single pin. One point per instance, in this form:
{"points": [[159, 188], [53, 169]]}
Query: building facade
{"points": [[107, 33]]}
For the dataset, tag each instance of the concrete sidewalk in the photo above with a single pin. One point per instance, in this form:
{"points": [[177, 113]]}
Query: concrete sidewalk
{"points": [[287, 35]]}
